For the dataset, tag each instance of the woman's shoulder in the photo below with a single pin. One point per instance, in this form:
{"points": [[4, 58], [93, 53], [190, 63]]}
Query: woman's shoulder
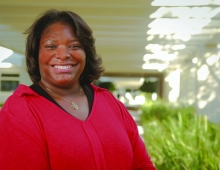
{"points": [[22, 90], [100, 90], [16, 111], [16, 101], [102, 94]]}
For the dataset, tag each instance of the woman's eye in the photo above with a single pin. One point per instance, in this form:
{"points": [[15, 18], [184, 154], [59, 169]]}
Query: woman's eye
{"points": [[51, 46], [74, 46]]}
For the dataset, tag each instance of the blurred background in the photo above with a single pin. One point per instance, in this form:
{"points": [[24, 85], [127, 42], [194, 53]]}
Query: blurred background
{"points": [[161, 59]]}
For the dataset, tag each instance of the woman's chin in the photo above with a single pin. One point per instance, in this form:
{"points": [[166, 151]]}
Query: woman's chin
{"points": [[64, 82]]}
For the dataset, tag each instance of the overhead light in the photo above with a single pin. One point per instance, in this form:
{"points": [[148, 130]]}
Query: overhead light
{"points": [[5, 65], [161, 56], [5, 53], [200, 12], [161, 32], [177, 25], [178, 46], [182, 37], [186, 21], [154, 66], [149, 38], [186, 12], [180, 2], [167, 46], [159, 13], [154, 48], [179, 12]]}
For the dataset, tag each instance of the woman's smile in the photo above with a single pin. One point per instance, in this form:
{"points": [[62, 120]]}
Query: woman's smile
{"points": [[64, 68], [61, 56]]}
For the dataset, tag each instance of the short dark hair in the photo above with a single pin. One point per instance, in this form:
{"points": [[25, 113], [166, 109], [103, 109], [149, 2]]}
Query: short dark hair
{"points": [[93, 67]]}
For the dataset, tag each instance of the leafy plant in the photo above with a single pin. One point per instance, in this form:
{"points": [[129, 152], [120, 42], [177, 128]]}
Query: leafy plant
{"points": [[177, 138], [148, 86], [106, 84]]}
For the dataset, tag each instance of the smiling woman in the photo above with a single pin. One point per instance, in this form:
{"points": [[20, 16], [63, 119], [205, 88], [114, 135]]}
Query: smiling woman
{"points": [[62, 119], [61, 56]]}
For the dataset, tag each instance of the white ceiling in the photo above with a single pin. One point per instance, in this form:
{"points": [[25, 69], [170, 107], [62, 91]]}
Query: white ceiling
{"points": [[120, 28]]}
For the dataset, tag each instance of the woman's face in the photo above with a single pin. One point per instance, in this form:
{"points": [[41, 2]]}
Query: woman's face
{"points": [[61, 56]]}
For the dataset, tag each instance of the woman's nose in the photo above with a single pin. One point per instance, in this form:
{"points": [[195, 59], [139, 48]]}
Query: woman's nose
{"points": [[63, 52]]}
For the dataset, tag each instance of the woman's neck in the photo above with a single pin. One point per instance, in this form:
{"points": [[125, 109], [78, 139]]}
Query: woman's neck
{"points": [[72, 90]]}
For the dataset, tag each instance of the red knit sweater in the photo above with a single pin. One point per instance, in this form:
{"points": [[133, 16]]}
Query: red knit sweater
{"points": [[35, 134]]}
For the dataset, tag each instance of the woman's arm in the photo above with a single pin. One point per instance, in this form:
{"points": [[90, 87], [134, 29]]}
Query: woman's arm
{"points": [[141, 159], [22, 144]]}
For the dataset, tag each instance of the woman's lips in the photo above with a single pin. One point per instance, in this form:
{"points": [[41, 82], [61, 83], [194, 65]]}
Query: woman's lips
{"points": [[63, 68]]}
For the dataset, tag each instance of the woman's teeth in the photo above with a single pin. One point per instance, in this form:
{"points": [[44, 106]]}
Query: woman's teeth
{"points": [[63, 67]]}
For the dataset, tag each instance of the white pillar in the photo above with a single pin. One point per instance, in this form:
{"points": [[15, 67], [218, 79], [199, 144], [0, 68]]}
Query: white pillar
{"points": [[24, 77]]}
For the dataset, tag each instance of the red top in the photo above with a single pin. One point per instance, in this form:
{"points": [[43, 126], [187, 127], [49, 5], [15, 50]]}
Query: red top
{"points": [[36, 134]]}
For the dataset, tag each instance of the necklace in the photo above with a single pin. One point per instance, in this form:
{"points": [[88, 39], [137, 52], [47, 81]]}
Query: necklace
{"points": [[73, 104]]}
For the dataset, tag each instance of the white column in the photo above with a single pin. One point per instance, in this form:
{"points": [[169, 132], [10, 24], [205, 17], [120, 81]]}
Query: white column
{"points": [[24, 77]]}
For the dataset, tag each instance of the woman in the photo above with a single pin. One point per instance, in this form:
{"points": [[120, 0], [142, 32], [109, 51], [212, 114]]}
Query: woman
{"points": [[62, 121]]}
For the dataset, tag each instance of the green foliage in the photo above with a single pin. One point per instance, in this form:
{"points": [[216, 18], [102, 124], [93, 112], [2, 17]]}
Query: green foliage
{"points": [[179, 139], [106, 84], [148, 86], [1, 104]]}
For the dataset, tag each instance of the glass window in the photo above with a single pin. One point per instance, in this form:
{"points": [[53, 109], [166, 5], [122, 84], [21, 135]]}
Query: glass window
{"points": [[9, 85]]}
